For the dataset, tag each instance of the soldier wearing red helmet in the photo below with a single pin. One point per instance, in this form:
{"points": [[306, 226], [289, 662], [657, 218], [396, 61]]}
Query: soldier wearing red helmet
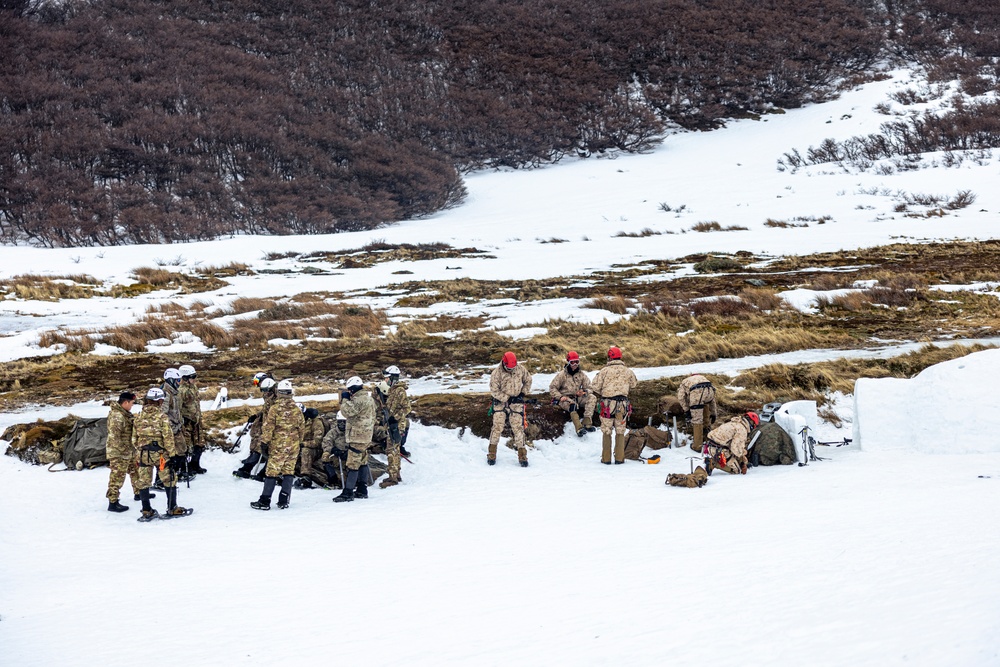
{"points": [[613, 384], [509, 383], [725, 447], [570, 388]]}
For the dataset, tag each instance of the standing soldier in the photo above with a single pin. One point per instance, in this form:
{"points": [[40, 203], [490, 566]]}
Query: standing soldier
{"points": [[267, 387], [153, 438], [281, 435], [571, 388], [172, 409], [312, 446], [397, 407], [726, 446], [358, 408], [613, 384], [697, 398], [508, 385], [191, 430], [122, 456]]}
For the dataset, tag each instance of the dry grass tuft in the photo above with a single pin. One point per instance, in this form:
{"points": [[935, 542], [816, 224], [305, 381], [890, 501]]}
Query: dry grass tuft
{"points": [[762, 298], [722, 307], [74, 341], [246, 304], [615, 304], [33, 287]]}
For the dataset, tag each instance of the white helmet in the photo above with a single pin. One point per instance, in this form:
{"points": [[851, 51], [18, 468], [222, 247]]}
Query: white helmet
{"points": [[155, 394], [392, 370], [267, 384], [341, 417], [285, 387], [355, 381], [171, 374], [186, 371], [300, 406], [258, 378]]}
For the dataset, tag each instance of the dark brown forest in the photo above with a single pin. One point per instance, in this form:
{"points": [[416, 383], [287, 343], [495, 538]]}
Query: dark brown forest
{"points": [[130, 122]]}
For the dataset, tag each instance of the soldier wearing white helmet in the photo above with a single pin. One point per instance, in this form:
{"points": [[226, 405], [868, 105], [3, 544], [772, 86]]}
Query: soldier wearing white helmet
{"points": [[334, 446], [358, 407], [172, 409], [309, 468], [396, 408], [191, 431], [153, 438], [281, 435], [268, 388]]}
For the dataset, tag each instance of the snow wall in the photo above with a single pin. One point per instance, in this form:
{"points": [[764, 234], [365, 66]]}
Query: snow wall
{"points": [[946, 409]]}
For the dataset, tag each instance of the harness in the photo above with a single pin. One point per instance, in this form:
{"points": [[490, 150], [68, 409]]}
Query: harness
{"points": [[611, 405]]}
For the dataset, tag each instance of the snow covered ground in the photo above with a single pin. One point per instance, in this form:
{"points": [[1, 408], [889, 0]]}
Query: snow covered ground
{"points": [[869, 558]]}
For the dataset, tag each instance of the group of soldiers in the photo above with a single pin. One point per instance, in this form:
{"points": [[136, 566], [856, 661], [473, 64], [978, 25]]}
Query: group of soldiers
{"points": [[166, 436], [288, 440]]}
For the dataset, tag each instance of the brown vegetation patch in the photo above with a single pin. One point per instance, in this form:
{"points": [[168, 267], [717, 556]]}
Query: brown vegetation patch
{"points": [[615, 304], [378, 252], [50, 288]]}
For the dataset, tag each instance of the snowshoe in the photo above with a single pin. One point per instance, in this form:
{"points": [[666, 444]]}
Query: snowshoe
{"points": [[303, 483], [261, 504], [148, 515], [118, 507], [177, 512]]}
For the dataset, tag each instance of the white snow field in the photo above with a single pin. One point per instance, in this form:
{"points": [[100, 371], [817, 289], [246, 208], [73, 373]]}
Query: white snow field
{"points": [[876, 556]]}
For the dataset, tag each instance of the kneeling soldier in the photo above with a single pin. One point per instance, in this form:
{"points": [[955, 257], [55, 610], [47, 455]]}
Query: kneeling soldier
{"points": [[725, 447]]}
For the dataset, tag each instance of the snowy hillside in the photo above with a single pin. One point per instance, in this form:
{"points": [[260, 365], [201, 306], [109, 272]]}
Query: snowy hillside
{"points": [[877, 556]]}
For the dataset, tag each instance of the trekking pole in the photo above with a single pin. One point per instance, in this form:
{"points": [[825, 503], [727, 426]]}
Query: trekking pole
{"points": [[676, 442], [342, 480], [187, 474], [805, 447]]}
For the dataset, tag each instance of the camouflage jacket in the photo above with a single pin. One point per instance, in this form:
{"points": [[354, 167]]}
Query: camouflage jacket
{"points": [[733, 434], [568, 384], [360, 413], [313, 432], [774, 446], [172, 407], [398, 403], [335, 439], [284, 425], [152, 425], [615, 379], [120, 433], [506, 384], [190, 403], [688, 395]]}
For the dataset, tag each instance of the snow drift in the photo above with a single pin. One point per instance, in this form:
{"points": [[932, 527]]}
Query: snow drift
{"points": [[940, 411]]}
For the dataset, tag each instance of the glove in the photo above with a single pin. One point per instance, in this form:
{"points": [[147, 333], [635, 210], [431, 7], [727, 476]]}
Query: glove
{"points": [[341, 454], [345, 395], [176, 463], [516, 399], [325, 458], [687, 415], [711, 419], [251, 418], [565, 399], [393, 421], [264, 448]]}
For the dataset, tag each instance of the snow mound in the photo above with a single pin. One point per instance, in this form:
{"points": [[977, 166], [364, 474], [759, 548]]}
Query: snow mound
{"points": [[940, 411]]}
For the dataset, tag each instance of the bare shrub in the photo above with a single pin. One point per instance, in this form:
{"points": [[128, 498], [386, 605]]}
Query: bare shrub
{"points": [[615, 304], [706, 227], [643, 233], [961, 199]]}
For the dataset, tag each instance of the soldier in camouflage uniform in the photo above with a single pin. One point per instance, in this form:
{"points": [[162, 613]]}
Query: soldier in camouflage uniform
{"points": [[281, 436], [172, 409], [397, 407], [122, 456], [267, 387], [571, 388], [697, 398], [613, 384], [726, 446], [311, 448], [335, 447], [508, 385], [153, 438], [190, 407], [358, 408]]}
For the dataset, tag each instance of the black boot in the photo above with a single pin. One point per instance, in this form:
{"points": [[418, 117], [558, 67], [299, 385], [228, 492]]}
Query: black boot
{"points": [[331, 474], [173, 509], [262, 475], [196, 461], [361, 486], [138, 496], [248, 463], [286, 491], [347, 495], [117, 507], [264, 502]]}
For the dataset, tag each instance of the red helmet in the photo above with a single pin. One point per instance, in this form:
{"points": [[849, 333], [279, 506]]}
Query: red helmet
{"points": [[573, 356], [509, 360], [754, 419], [614, 353]]}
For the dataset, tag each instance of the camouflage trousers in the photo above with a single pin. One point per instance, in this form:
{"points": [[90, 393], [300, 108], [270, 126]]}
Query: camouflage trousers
{"points": [[308, 455], [281, 460], [587, 408], [357, 455], [181, 444], [143, 478], [516, 420], [190, 435], [392, 454], [119, 469], [615, 422]]}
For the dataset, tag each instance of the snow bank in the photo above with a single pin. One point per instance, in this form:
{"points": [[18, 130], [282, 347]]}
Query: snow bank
{"points": [[940, 411]]}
